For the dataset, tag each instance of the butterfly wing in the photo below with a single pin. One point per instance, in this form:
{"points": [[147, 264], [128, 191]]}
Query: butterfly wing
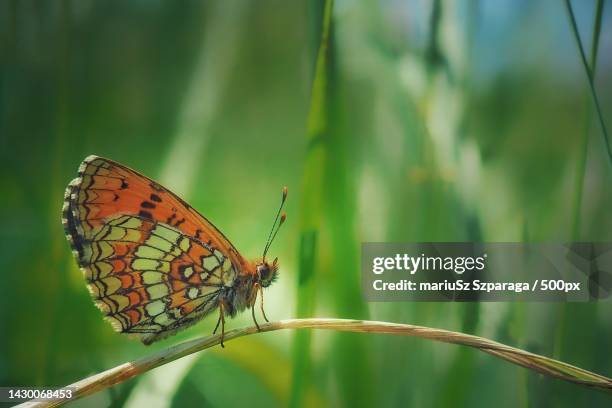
{"points": [[106, 188], [153, 264]]}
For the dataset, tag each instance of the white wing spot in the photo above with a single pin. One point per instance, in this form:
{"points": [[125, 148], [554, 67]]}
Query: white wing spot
{"points": [[210, 263], [187, 272], [193, 293]]}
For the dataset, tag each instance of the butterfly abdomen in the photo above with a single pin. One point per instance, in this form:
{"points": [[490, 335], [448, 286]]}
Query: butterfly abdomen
{"points": [[238, 297]]}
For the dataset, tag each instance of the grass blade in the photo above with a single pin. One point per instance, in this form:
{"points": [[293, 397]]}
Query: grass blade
{"points": [[590, 73], [312, 197], [581, 163], [535, 362]]}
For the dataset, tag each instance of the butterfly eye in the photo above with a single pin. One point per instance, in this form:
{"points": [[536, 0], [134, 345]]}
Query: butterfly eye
{"points": [[267, 275], [264, 272]]}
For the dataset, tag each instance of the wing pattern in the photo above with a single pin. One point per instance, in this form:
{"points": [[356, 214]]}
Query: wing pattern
{"points": [[153, 264]]}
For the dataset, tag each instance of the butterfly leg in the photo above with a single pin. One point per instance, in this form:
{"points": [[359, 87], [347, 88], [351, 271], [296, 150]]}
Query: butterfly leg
{"points": [[221, 321], [256, 286], [261, 304], [254, 319], [217, 325]]}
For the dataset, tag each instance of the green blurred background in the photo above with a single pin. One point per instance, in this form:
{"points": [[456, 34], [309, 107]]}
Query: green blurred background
{"points": [[436, 121]]}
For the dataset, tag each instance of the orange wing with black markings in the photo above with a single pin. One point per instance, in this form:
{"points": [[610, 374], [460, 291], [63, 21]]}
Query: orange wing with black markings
{"points": [[106, 188], [153, 264]]}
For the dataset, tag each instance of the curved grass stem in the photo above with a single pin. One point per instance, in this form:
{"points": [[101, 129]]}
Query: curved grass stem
{"points": [[535, 362]]}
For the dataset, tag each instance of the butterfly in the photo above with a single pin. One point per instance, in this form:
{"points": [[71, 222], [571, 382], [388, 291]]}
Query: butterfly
{"points": [[153, 264]]}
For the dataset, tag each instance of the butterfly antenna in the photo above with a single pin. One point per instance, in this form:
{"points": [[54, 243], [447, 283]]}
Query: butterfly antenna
{"points": [[275, 228], [282, 220]]}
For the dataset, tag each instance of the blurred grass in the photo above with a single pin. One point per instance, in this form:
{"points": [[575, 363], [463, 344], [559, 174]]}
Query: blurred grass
{"points": [[582, 158], [311, 207], [342, 269], [577, 320], [589, 68], [115, 79]]}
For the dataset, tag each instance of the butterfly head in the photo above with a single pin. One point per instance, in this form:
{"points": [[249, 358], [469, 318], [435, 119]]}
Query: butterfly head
{"points": [[267, 272]]}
